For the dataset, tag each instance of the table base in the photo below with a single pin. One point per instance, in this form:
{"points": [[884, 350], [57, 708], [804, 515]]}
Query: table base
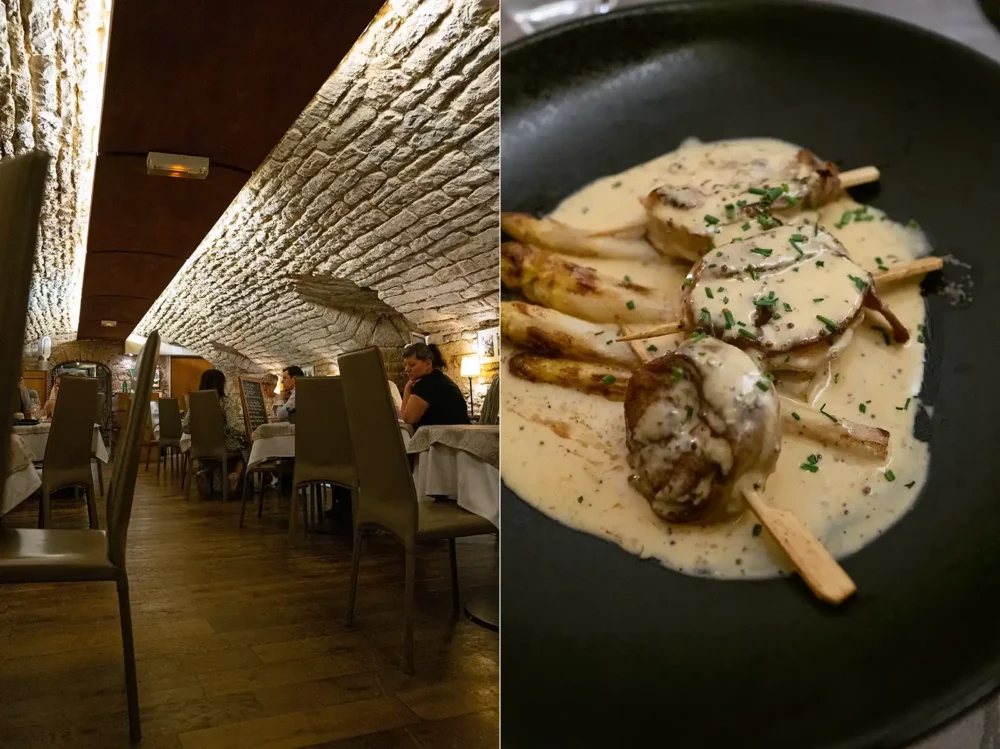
{"points": [[484, 609]]}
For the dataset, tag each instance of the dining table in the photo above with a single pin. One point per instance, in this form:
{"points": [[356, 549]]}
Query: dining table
{"points": [[22, 479], [36, 436], [461, 462]]}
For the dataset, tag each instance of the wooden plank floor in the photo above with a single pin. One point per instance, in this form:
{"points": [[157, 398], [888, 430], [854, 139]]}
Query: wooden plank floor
{"points": [[241, 642]]}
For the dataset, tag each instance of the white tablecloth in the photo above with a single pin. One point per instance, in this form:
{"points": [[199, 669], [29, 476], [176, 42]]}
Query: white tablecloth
{"points": [[445, 470], [18, 487], [36, 439], [269, 448]]}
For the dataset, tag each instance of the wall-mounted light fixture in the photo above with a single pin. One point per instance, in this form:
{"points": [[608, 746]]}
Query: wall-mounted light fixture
{"points": [[176, 165], [109, 323]]}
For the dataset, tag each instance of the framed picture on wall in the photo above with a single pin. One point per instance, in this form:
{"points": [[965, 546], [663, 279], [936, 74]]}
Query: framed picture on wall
{"points": [[489, 345]]}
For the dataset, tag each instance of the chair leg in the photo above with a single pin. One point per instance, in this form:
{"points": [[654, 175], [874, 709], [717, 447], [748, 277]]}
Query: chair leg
{"points": [[225, 480], [454, 576], [355, 564], [247, 486], [100, 476], [92, 506], [149, 449], [159, 460], [128, 647], [411, 568], [190, 478], [303, 498], [260, 502]]}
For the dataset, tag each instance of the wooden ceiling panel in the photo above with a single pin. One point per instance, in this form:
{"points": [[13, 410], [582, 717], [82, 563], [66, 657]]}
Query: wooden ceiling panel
{"points": [[222, 79], [159, 215]]}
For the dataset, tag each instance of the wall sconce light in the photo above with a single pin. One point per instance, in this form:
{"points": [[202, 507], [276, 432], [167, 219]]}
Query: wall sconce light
{"points": [[176, 165]]}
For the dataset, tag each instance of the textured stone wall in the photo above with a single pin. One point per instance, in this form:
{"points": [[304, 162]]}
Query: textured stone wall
{"points": [[110, 354], [52, 56], [453, 351], [374, 216]]}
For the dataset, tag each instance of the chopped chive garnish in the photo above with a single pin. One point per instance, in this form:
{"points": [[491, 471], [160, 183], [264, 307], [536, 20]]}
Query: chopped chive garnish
{"points": [[698, 335], [885, 334], [809, 467], [752, 271], [910, 485], [721, 289], [820, 264], [797, 238], [861, 283], [905, 406], [741, 203], [822, 410], [651, 347], [791, 200], [762, 251], [747, 334], [757, 528], [836, 378], [689, 281], [796, 416], [609, 379], [711, 220], [708, 293], [911, 224], [690, 413], [757, 191], [784, 187], [628, 279], [769, 376], [763, 301], [630, 304], [718, 254], [580, 499], [729, 318], [788, 307], [608, 343], [890, 476], [762, 385], [878, 260], [845, 219], [711, 265], [705, 317], [730, 210], [746, 226], [862, 408], [771, 295], [920, 338], [725, 300], [776, 316], [830, 324], [773, 193], [814, 459], [677, 373], [818, 299]]}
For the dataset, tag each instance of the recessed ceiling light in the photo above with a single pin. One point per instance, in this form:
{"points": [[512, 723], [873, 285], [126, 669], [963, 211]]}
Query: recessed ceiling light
{"points": [[109, 323], [176, 165]]}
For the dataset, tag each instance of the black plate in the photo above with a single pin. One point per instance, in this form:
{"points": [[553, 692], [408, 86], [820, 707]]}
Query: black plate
{"points": [[601, 649]]}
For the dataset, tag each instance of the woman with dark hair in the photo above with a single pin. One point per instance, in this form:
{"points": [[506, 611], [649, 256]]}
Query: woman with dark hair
{"points": [[430, 396], [236, 433]]}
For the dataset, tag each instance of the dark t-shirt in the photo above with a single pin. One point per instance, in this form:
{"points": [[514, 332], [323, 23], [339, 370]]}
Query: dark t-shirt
{"points": [[445, 402]]}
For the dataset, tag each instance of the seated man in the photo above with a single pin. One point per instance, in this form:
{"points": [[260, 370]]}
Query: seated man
{"points": [[284, 408]]}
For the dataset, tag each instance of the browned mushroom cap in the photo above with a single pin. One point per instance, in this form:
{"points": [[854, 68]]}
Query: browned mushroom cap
{"points": [[698, 421]]}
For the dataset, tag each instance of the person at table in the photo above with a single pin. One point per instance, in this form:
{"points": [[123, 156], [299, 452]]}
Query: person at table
{"points": [[235, 429], [283, 409], [23, 400], [50, 404], [430, 396]]}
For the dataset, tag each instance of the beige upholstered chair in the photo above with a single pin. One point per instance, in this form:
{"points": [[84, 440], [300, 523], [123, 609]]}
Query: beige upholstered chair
{"points": [[323, 450], [55, 556], [99, 419], [169, 441], [387, 498], [69, 448], [208, 437]]}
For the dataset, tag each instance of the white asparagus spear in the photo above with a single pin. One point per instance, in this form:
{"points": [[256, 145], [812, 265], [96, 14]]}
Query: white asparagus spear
{"points": [[596, 379], [896, 273], [551, 333], [545, 278], [798, 418], [549, 234]]}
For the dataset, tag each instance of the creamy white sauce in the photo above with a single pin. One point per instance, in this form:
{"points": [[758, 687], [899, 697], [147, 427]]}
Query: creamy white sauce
{"points": [[564, 452]]}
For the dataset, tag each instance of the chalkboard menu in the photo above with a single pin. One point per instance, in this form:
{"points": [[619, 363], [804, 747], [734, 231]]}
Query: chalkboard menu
{"points": [[254, 407]]}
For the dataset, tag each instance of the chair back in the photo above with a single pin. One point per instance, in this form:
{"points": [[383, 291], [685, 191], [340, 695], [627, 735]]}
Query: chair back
{"points": [[68, 449], [126, 466], [490, 412], [22, 184], [323, 450], [208, 425], [387, 497], [170, 420]]}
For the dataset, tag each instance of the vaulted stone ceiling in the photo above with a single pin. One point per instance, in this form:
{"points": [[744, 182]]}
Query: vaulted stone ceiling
{"points": [[52, 55], [376, 214]]}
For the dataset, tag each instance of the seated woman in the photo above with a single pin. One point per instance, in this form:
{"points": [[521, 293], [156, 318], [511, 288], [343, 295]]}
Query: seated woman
{"points": [[50, 405], [430, 396], [235, 427]]}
